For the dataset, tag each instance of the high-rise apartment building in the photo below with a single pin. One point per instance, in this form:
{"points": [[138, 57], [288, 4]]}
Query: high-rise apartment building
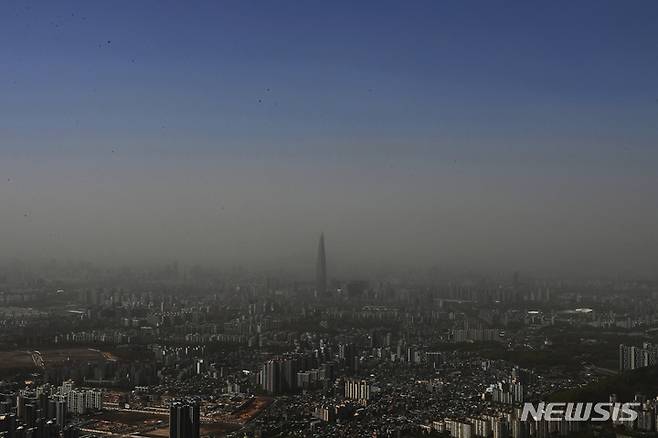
{"points": [[184, 419]]}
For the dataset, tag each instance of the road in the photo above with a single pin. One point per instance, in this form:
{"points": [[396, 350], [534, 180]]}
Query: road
{"points": [[38, 359]]}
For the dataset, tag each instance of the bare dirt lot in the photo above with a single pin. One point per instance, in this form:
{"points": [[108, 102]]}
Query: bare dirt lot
{"points": [[59, 356], [147, 424], [130, 418], [25, 360], [16, 360], [252, 410]]}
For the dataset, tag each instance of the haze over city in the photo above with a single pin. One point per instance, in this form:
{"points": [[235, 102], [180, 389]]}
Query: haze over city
{"points": [[321, 219], [497, 138]]}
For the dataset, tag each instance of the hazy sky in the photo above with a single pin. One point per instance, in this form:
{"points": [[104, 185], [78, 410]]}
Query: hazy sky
{"points": [[491, 135]]}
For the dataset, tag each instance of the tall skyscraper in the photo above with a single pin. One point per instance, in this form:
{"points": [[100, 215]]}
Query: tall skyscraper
{"points": [[321, 269], [184, 420]]}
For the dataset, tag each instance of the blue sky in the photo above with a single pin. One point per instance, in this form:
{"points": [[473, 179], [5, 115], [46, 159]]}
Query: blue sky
{"points": [[302, 77], [393, 93]]}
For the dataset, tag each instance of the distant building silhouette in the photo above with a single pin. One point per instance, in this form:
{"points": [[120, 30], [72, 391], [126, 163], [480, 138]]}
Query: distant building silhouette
{"points": [[184, 420], [321, 269]]}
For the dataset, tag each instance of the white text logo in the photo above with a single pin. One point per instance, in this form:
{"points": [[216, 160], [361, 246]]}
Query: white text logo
{"points": [[580, 411]]}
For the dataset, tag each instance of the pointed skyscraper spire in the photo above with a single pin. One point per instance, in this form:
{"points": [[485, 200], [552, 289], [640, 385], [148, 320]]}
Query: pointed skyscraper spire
{"points": [[321, 269]]}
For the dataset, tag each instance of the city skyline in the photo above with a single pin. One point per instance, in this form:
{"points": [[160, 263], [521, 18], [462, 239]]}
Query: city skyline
{"points": [[390, 219]]}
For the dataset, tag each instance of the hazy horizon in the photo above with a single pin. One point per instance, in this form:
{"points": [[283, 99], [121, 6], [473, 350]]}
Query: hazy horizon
{"points": [[491, 138]]}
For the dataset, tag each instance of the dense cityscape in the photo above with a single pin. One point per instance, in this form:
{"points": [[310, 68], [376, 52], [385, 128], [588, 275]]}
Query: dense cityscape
{"points": [[177, 351], [328, 219]]}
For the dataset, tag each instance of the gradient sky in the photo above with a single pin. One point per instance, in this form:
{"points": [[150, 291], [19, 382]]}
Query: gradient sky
{"points": [[481, 135]]}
